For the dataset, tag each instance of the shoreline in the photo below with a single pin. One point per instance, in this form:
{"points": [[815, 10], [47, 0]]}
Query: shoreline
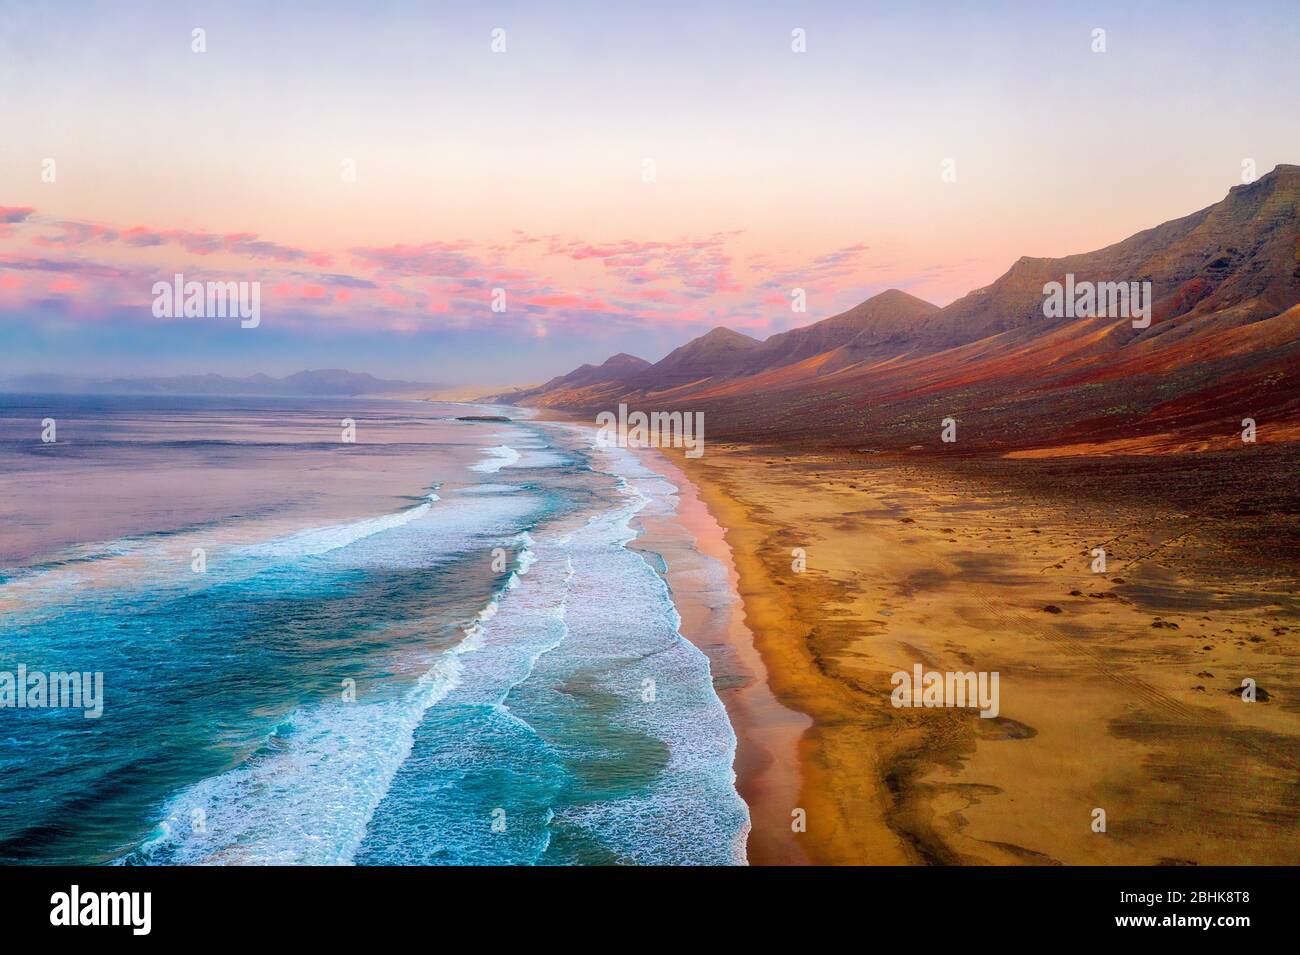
{"points": [[768, 734], [1120, 690], [840, 793], [768, 764]]}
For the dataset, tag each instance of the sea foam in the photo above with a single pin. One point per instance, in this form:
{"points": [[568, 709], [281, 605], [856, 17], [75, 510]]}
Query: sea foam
{"points": [[500, 456]]}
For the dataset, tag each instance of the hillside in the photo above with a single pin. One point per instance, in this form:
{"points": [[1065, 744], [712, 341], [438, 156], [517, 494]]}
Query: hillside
{"points": [[1223, 344]]}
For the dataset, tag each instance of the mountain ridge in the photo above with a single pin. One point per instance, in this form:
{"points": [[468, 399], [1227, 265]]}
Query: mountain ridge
{"points": [[1225, 281]]}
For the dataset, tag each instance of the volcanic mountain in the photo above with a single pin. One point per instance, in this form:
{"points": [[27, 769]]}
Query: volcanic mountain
{"points": [[1223, 345], [879, 327], [721, 353], [582, 385]]}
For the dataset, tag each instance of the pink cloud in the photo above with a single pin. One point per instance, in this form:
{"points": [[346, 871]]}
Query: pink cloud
{"points": [[565, 300], [555, 280], [248, 244], [656, 295], [140, 237], [430, 258]]}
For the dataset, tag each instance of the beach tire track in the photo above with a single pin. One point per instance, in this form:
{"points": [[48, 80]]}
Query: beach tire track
{"points": [[1139, 688], [1013, 618]]}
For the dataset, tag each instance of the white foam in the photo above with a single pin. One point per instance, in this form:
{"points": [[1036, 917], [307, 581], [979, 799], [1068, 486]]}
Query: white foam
{"points": [[500, 456], [322, 540], [308, 795], [475, 489], [311, 794]]}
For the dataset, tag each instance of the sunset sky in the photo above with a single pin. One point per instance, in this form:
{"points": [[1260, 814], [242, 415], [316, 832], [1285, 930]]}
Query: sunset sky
{"points": [[525, 169]]}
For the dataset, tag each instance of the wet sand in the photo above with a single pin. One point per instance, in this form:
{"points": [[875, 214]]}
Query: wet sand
{"points": [[713, 618]]}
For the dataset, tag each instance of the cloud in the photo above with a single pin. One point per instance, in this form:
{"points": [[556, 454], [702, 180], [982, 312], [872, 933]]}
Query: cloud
{"points": [[447, 259], [569, 301], [817, 271], [63, 266], [562, 281], [74, 233], [77, 233], [140, 237], [248, 244], [341, 281], [700, 264]]}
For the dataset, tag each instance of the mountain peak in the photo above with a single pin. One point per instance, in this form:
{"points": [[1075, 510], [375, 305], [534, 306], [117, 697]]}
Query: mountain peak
{"points": [[885, 312], [893, 296], [724, 335], [846, 337], [719, 353], [1283, 174], [624, 360]]}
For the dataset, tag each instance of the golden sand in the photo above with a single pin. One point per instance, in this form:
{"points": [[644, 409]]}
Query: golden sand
{"points": [[1124, 697]]}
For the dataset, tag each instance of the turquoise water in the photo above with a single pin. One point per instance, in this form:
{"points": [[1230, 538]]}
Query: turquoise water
{"points": [[522, 694]]}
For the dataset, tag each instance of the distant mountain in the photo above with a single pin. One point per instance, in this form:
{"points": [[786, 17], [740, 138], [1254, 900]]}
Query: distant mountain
{"points": [[582, 384], [1223, 344], [719, 354], [328, 382], [621, 367], [878, 325]]}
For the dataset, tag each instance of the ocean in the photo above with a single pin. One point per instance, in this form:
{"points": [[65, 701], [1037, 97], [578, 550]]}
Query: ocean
{"points": [[432, 645]]}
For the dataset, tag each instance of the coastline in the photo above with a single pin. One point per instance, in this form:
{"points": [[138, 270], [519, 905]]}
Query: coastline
{"points": [[844, 816], [1120, 690], [769, 734]]}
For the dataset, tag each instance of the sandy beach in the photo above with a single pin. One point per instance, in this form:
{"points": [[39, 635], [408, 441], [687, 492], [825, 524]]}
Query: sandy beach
{"points": [[713, 618], [1120, 691]]}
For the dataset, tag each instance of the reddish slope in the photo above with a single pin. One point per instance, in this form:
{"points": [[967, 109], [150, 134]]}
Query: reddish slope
{"points": [[1224, 344], [586, 383], [1241, 248], [721, 353], [879, 326]]}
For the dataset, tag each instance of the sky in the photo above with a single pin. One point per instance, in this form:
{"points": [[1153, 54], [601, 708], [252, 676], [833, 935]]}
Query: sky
{"points": [[626, 175]]}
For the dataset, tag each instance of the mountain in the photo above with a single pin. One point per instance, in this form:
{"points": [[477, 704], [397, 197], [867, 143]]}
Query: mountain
{"points": [[328, 382], [586, 383], [723, 353], [719, 354], [878, 325], [335, 381], [1223, 345], [618, 368], [1240, 249]]}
